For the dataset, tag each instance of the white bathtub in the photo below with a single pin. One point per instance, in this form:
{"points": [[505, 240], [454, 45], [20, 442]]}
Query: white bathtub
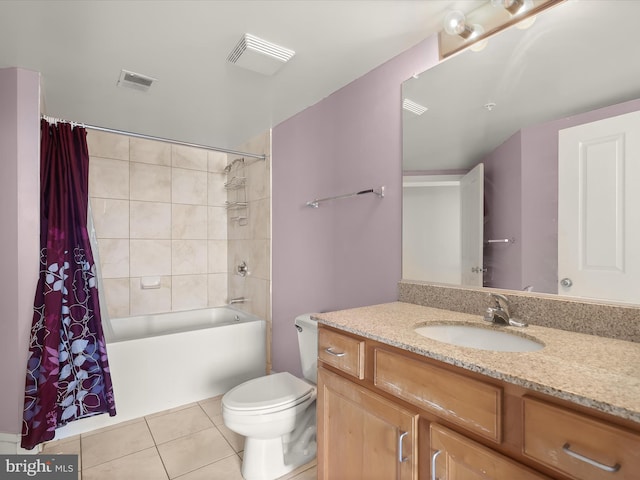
{"points": [[166, 360]]}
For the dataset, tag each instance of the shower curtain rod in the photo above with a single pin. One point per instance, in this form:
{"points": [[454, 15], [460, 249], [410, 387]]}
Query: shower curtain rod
{"points": [[159, 139]]}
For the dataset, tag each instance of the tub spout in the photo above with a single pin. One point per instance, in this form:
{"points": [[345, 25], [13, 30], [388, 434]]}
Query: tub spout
{"points": [[237, 300]]}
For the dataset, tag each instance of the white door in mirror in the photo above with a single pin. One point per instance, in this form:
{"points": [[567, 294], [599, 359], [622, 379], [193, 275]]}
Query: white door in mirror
{"points": [[599, 209], [472, 226]]}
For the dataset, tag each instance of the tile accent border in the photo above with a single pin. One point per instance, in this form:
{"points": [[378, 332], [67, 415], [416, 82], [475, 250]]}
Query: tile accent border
{"points": [[617, 321]]}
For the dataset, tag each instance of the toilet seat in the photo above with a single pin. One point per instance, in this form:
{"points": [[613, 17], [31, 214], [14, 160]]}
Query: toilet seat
{"points": [[268, 394]]}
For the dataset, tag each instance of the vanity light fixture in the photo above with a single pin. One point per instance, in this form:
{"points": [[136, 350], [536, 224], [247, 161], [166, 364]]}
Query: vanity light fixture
{"points": [[472, 30], [413, 107]]}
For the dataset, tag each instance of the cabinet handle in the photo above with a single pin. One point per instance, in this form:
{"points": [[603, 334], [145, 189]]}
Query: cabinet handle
{"points": [[567, 449], [434, 457], [335, 354], [401, 457]]}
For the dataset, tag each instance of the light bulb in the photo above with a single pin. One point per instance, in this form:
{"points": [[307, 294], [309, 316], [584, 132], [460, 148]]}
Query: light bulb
{"points": [[514, 7], [478, 46], [454, 22]]}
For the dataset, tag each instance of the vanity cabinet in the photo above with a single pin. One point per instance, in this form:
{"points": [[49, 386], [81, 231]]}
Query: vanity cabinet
{"points": [[455, 457], [387, 413], [363, 435]]}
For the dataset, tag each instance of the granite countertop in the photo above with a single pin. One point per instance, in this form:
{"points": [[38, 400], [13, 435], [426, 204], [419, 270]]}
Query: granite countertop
{"points": [[597, 372]]}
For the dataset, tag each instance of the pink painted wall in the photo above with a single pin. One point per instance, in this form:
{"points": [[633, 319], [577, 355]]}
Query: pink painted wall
{"points": [[502, 194], [346, 253], [19, 235]]}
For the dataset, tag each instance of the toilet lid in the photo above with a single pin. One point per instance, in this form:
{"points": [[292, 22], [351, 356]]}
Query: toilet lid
{"points": [[269, 391]]}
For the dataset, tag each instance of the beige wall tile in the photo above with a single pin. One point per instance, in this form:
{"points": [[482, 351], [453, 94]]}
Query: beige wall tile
{"points": [[150, 257], [260, 219], [256, 254], [150, 220], [108, 178], [117, 294], [217, 194], [189, 292], [217, 223], [189, 157], [217, 256], [150, 151], [189, 257], [259, 179], [217, 161], [217, 285], [257, 291], [150, 182], [188, 186], [110, 217], [189, 222], [151, 300], [108, 145], [114, 257]]}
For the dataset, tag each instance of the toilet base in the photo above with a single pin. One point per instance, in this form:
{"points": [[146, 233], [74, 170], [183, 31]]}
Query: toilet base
{"points": [[266, 459], [270, 458]]}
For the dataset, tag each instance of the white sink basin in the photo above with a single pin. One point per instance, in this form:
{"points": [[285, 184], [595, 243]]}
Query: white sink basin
{"points": [[480, 338]]}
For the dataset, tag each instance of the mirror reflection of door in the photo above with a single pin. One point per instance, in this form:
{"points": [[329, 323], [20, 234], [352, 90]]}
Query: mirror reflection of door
{"points": [[599, 209], [432, 239], [472, 228]]}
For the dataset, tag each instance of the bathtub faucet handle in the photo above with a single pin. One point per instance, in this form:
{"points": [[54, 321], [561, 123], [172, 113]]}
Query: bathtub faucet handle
{"points": [[243, 269]]}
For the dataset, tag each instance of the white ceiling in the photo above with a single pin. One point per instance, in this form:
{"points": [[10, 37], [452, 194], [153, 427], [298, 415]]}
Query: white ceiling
{"points": [[80, 48]]}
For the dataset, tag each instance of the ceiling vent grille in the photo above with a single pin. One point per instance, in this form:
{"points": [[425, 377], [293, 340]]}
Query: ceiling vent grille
{"points": [[413, 107], [135, 80], [258, 55]]}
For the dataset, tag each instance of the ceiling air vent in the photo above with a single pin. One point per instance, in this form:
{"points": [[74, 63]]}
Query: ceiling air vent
{"points": [[135, 80], [258, 55], [413, 107]]}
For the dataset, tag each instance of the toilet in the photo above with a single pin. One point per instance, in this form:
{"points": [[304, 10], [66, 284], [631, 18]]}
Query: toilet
{"points": [[277, 413]]}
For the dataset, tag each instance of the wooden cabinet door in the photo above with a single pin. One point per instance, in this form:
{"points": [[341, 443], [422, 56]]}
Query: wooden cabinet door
{"points": [[454, 457], [362, 435]]}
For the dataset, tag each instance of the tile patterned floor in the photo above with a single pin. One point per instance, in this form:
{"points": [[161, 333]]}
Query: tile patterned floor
{"points": [[185, 443]]}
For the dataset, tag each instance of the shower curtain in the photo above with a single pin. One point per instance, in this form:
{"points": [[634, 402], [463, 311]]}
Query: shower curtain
{"points": [[67, 371]]}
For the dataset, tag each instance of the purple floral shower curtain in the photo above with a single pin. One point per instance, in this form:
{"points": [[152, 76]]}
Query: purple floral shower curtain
{"points": [[67, 371]]}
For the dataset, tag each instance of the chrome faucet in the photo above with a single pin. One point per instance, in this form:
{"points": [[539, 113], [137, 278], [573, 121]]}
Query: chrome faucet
{"points": [[237, 300], [499, 313]]}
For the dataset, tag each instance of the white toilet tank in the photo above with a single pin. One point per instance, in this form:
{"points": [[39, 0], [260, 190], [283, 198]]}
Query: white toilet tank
{"points": [[308, 345]]}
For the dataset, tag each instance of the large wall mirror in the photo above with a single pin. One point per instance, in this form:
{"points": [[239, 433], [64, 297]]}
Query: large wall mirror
{"points": [[547, 119]]}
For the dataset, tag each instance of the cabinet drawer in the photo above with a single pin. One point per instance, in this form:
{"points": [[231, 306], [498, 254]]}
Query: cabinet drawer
{"points": [[580, 446], [343, 352], [472, 404]]}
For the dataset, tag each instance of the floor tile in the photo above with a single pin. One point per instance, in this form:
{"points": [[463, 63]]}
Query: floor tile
{"points": [[308, 471], [69, 446], [178, 423], [235, 440], [213, 408], [228, 469], [171, 410], [309, 474], [114, 443], [194, 451], [143, 465], [112, 427]]}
